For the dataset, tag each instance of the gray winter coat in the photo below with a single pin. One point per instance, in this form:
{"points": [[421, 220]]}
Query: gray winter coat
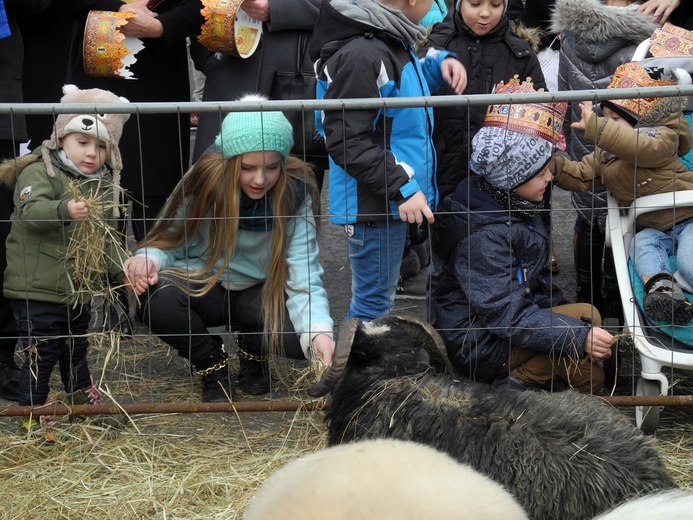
{"points": [[595, 40], [487, 292]]}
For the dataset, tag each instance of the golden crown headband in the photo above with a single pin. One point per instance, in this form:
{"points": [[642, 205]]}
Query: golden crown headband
{"points": [[633, 75], [543, 120]]}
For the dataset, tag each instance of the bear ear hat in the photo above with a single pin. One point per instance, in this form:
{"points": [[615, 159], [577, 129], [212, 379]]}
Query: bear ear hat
{"points": [[105, 127]]}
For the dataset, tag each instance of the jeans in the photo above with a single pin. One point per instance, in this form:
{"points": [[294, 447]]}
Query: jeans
{"points": [[375, 256], [182, 320], [651, 249], [51, 333]]}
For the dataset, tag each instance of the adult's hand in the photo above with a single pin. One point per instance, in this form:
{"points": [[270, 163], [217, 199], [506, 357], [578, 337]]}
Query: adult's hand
{"points": [[144, 24], [659, 10], [598, 344], [258, 9]]}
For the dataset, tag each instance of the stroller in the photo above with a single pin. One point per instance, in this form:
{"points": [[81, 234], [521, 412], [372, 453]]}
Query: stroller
{"points": [[657, 346]]}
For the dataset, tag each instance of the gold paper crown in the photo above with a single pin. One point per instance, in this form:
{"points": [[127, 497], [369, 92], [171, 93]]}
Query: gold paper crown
{"points": [[671, 40], [633, 75], [544, 120]]}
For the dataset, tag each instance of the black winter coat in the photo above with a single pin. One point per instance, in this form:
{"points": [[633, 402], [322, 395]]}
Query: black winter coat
{"points": [[488, 293], [495, 57], [155, 147]]}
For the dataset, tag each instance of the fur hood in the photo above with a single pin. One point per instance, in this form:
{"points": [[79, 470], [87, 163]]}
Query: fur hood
{"points": [[531, 35], [593, 21], [664, 108], [11, 168]]}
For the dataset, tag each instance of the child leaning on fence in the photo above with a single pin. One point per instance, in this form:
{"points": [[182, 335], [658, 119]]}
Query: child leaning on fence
{"points": [[502, 321], [236, 245], [70, 179], [382, 161], [637, 147]]}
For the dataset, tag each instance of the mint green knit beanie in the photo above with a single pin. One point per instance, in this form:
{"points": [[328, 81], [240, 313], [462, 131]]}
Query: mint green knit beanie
{"points": [[243, 132]]}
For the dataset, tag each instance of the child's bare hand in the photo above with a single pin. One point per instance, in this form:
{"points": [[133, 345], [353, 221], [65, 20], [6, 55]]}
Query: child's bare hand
{"points": [[78, 209], [454, 74], [141, 273], [416, 209], [586, 107], [598, 344]]}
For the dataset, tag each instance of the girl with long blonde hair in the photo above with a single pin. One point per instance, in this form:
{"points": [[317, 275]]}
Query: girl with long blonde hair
{"points": [[236, 245]]}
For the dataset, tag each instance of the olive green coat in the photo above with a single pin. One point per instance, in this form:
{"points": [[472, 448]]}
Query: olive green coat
{"points": [[38, 267]]}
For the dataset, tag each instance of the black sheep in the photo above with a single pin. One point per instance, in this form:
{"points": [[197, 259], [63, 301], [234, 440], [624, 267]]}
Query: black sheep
{"points": [[563, 456]]}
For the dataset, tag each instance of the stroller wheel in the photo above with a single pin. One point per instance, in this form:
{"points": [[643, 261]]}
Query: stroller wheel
{"points": [[647, 417]]}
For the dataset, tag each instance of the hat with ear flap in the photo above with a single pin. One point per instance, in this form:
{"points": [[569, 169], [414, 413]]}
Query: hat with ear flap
{"points": [[105, 127]]}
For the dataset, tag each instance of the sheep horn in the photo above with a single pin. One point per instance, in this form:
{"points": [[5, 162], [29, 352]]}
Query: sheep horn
{"points": [[424, 333], [342, 350]]}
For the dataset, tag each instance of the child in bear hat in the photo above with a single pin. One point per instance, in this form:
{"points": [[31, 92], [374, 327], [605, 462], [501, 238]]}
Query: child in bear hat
{"points": [[236, 246], [638, 145], [501, 320], [51, 308]]}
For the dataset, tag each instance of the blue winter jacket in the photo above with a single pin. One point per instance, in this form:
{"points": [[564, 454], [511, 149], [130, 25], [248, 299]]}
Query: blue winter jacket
{"points": [[378, 158], [488, 293]]}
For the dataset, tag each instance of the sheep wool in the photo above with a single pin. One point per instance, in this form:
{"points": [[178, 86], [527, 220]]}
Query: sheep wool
{"points": [[383, 479]]}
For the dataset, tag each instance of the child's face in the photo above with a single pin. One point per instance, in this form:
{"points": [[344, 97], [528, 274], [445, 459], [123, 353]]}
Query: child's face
{"points": [[481, 16], [259, 173], [533, 190], [610, 114], [86, 152], [415, 10]]}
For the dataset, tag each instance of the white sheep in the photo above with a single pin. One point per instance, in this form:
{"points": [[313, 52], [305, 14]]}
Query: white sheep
{"points": [[670, 505], [381, 479]]}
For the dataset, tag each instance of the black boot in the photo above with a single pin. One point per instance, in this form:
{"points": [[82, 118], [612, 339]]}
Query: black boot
{"points": [[664, 300], [254, 374], [216, 380], [9, 380]]}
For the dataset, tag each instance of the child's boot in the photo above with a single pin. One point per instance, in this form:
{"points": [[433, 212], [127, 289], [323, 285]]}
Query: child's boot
{"points": [[665, 301], [214, 371], [39, 427], [92, 395], [254, 374]]}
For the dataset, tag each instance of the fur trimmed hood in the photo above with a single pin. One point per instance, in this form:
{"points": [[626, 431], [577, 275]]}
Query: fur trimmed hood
{"points": [[11, 168], [593, 21]]}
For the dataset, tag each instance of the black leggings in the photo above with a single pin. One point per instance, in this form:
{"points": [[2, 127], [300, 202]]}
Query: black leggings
{"points": [[182, 321]]}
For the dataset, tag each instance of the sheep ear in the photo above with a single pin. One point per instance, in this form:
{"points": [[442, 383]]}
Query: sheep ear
{"points": [[424, 335], [345, 340]]}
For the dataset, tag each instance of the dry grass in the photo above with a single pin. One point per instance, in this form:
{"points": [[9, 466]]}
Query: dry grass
{"points": [[188, 466]]}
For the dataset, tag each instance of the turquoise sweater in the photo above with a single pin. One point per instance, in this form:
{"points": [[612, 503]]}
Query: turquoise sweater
{"points": [[307, 301]]}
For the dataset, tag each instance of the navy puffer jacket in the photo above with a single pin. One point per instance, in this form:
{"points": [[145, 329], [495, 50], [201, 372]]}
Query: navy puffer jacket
{"points": [[488, 292]]}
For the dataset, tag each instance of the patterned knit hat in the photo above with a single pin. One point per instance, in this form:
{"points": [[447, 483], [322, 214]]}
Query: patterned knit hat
{"points": [[243, 132], [633, 75], [517, 141], [105, 127]]}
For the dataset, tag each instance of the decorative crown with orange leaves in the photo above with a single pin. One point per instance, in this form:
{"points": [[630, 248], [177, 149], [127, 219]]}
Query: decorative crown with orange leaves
{"points": [[634, 75], [544, 120]]}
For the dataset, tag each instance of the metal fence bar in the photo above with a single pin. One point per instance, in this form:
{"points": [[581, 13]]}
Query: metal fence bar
{"points": [[343, 104], [272, 406]]}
